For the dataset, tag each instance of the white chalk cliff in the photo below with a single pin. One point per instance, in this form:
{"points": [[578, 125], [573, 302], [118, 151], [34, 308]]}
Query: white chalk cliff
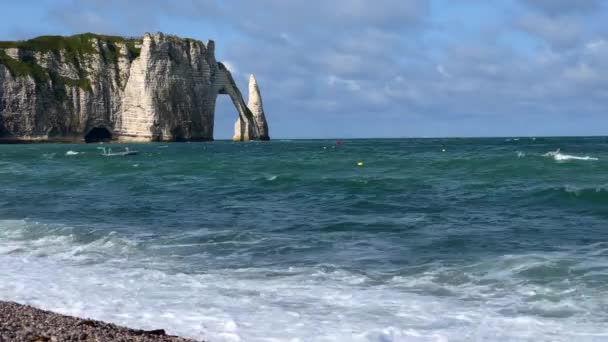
{"points": [[93, 87]]}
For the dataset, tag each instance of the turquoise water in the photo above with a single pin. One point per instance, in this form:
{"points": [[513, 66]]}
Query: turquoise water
{"points": [[430, 240]]}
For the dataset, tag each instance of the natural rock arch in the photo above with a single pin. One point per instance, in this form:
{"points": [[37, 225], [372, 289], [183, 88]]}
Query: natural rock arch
{"points": [[253, 124], [250, 129]]}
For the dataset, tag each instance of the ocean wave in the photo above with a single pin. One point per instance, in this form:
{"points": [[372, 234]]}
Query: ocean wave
{"points": [[12, 168], [557, 155], [20, 237], [592, 194], [284, 179], [494, 300]]}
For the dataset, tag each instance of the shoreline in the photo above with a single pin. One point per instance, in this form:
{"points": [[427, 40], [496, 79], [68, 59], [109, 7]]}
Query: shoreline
{"points": [[19, 322]]}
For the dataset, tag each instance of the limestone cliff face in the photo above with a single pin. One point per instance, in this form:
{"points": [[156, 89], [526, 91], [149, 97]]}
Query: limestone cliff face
{"points": [[153, 88]]}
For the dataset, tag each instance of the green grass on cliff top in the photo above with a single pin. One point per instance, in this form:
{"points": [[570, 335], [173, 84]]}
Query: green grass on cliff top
{"points": [[19, 68], [74, 48], [27, 67], [79, 44]]}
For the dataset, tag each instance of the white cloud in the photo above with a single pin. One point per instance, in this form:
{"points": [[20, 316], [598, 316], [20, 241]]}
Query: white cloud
{"points": [[558, 33], [581, 73], [564, 7], [441, 70]]}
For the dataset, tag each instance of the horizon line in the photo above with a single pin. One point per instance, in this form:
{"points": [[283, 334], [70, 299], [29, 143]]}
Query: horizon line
{"points": [[437, 137]]}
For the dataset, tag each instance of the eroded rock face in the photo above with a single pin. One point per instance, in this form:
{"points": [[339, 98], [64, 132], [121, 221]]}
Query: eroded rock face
{"points": [[243, 129], [153, 88]]}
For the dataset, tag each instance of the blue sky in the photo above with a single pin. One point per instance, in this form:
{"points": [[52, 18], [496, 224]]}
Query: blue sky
{"points": [[381, 68]]}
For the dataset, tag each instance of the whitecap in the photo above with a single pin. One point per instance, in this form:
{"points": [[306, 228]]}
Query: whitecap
{"points": [[71, 153], [570, 157], [557, 155]]}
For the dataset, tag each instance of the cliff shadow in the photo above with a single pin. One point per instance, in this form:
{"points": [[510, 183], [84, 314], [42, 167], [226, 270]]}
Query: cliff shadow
{"points": [[178, 134], [98, 134]]}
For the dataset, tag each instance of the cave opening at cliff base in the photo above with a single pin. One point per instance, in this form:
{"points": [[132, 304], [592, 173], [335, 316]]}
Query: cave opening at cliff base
{"points": [[98, 134]]}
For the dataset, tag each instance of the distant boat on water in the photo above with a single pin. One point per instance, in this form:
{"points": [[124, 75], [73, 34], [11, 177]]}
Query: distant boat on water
{"points": [[108, 152]]}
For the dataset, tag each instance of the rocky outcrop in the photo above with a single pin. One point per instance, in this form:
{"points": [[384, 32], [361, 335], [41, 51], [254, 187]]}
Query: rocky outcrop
{"points": [[243, 129], [91, 87]]}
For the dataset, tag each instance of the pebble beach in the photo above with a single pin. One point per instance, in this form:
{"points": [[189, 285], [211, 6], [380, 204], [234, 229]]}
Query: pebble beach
{"points": [[25, 323]]}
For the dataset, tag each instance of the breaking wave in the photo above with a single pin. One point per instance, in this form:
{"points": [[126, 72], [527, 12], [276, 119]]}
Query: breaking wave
{"points": [[557, 155], [502, 298], [570, 194]]}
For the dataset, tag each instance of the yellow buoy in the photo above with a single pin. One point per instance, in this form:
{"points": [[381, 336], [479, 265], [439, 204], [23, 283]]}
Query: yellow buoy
{"points": [[360, 164]]}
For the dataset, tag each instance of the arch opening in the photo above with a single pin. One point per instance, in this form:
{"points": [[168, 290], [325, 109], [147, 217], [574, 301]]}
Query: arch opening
{"points": [[225, 115], [98, 134]]}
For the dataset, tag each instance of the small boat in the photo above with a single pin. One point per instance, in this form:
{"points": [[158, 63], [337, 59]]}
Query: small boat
{"points": [[108, 152]]}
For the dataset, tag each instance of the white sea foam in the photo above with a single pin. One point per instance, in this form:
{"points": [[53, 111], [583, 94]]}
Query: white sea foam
{"points": [[579, 190], [570, 157], [43, 265], [72, 153], [557, 155]]}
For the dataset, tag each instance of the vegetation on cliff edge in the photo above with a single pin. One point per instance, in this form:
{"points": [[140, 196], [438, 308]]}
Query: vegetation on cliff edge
{"points": [[27, 67], [74, 48], [19, 68], [77, 45]]}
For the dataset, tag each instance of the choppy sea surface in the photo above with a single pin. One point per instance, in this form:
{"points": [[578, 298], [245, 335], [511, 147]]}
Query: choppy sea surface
{"points": [[429, 240]]}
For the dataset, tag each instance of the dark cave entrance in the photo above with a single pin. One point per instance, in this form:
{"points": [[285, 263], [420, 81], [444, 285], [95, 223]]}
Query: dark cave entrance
{"points": [[98, 134], [178, 134]]}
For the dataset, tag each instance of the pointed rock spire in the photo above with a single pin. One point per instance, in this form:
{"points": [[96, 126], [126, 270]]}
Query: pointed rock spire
{"points": [[257, 109], [244, 130]]}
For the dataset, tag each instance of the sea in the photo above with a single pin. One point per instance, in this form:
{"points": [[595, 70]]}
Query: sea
{"points": [[484, 239]]}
